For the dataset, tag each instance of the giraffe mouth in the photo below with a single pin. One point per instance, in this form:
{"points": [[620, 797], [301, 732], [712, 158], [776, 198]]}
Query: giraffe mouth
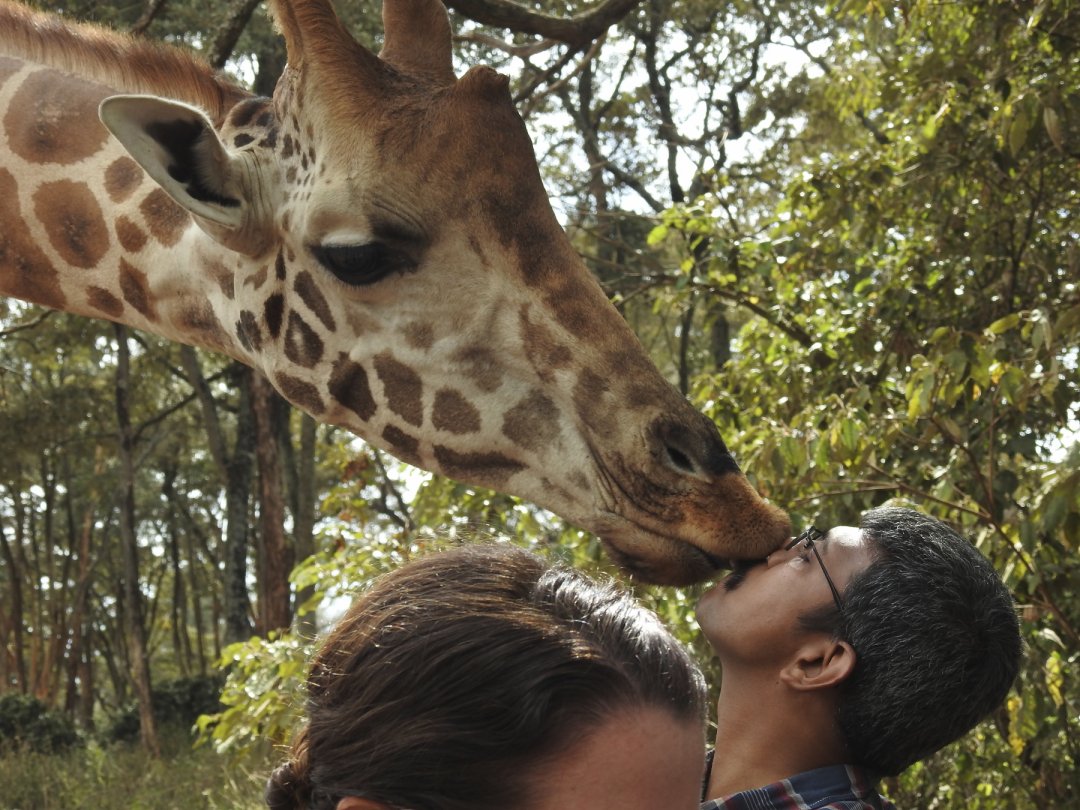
{"points": [[658, 559]]}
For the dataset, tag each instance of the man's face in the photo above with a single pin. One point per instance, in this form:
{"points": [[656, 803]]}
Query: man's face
{"points": [[752, 615]]}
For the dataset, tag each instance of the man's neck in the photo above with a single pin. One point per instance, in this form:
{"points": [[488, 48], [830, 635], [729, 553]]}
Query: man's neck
{"points": [[766, 732]]}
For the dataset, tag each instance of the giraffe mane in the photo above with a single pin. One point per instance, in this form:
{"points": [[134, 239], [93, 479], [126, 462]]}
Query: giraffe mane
{"points": [[120, 61]]}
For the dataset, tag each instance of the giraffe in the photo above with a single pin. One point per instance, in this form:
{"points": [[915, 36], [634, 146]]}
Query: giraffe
{"points": [[375, 239]]}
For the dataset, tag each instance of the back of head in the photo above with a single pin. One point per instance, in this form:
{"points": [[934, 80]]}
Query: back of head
{"points": [[451, 678], [936, 638]]}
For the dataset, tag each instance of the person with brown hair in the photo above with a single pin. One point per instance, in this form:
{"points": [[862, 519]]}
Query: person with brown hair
{"points": [[484, 678]]}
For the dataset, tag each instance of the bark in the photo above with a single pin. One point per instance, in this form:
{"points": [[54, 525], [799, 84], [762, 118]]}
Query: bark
{"points": [[178, 604], [150, 11], [304, 516], [136, 632], [576, 31], [17, 666], [237, 470], [275, 554], [240, 473], [80, 604], [236, 20]]}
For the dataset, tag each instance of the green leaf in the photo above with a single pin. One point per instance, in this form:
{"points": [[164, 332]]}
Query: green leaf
{"points": [[1052, 122], [1002, 325], [657, 235], [1019, 128]]}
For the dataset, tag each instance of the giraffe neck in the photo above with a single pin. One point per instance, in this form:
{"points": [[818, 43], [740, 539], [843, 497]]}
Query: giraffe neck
{"points": [[83, 230]]}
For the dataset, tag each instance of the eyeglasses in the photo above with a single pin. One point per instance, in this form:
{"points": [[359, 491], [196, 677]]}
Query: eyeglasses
{"points": [[807, 539]]}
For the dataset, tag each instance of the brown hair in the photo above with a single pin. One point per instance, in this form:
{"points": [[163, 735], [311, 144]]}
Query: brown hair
{"points": [[455, 676]]}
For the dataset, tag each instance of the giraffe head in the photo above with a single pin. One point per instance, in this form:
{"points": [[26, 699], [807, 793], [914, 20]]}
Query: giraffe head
{"points": [[398, 270]]}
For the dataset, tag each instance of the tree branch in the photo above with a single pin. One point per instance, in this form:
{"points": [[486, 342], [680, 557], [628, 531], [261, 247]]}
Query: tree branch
{"points": [[20, 327], [236, 20], [152, 9], [577, 31]]}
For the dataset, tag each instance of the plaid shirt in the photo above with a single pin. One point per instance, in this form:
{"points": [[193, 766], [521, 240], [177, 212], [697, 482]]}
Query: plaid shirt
{"points": [[837, 787]]}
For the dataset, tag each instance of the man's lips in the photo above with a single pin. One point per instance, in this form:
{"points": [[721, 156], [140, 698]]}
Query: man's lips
{"points": [[740, 568]]}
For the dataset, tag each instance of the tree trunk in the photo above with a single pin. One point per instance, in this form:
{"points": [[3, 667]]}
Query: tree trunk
{"points": [[80, 604], [18, 659], [178, 604], [136, 632], [275, 555], [237, 470], [304, 516], [239, 473]]}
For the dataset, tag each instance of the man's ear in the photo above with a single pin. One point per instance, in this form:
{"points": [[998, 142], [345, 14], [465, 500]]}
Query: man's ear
{"points": [[353, 803], [820, 664]]}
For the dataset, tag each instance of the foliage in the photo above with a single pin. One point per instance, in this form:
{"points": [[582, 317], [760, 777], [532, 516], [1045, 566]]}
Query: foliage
{"points": [[178, 704], [127, 776], [27, 723], [924, 282]]}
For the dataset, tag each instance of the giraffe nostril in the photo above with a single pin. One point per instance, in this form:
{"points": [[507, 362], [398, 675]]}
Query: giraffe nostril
{"points": [[680, 461], [694, 449]]}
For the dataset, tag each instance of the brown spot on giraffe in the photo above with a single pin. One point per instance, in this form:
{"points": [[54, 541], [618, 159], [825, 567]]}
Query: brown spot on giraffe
{"points": [[403, 387], [300, 393], [546, 354], [244, 113], [217, 272], [256, 280], [122, 178], [274, 313], [166, 220], [349, 385], [63, 124], [406, 447], [482, 366], [311, 295], [26, 270], [136, 290], [279, 266], [199, 318], [132, 238], [73, 221], [533, 423], [247, 329], [492, 467], [302, 343], [594, 403], [419, 335], [453, 413], [105, 302]]}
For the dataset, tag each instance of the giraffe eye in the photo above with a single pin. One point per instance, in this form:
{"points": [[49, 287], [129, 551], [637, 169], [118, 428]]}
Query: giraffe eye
{"points": [[360, 265]]}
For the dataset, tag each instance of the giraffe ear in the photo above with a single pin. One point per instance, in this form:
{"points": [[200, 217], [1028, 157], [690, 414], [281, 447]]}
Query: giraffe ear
{"points": [[178, 147]]}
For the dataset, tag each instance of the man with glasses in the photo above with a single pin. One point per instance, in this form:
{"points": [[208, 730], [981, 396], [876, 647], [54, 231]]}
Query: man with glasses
{"points": [[850, 655]]}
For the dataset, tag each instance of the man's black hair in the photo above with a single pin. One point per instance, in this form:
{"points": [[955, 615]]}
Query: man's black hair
{"points": [[936, 637]]}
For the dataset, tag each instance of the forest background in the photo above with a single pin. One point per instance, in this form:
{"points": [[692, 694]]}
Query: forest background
{"points": [[847, 230]]}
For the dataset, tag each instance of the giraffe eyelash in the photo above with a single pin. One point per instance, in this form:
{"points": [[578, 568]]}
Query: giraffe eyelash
{"points": [[362, 265]]}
